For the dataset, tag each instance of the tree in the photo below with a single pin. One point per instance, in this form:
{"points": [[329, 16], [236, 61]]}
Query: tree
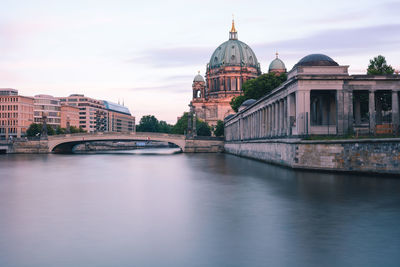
{"points": [[181, 125], [34, 129], [378, 66], [257, 88], [148, 123], [203, 129], [164, 127], [219, 129], [60, 130], [50, 130], [237, 101]]}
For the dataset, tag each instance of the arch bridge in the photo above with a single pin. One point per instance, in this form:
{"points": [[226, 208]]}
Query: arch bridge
{"points": [[65, 143]]}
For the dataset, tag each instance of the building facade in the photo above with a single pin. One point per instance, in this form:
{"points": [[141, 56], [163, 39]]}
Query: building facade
{"points": [[231, 64], [69, 116], [320, 98], [92, 113], [16, 113], [100, 115], [50, 107], [119, 118]]}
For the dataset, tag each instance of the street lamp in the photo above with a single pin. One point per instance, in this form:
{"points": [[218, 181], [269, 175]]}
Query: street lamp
{"points": [[68, 130], [44, 126]]}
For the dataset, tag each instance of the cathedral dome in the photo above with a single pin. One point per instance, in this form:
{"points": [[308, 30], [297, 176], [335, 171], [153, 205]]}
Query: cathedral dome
{"points": [[277, 65], [198, 78], [233, 53], [316, 60]]}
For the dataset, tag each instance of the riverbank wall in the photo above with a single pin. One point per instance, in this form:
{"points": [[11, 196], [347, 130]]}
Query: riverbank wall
{"points": [[360, 155]]}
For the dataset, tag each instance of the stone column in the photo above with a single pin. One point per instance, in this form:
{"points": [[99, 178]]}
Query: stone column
{"points": [[340, 113], [371, 109], [288, 112], [265, 122], [348, 109], [303, 112], [251, 126], [357, 110], [275, 119], [279, 117], [268, 120], [282, 118], [395, 111]]}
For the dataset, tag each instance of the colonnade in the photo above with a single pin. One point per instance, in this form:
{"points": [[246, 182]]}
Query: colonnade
{"points": [[270, 121]]}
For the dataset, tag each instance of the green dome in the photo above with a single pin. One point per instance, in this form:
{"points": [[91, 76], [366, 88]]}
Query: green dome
{"points": [[233, 53], [277, 64], [198, 78]]}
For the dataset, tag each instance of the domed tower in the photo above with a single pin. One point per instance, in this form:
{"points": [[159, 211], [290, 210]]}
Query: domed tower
{"points": [[198, 86], [277, 66], [231, 64]]}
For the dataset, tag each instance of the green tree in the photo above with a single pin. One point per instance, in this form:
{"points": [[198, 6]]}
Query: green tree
{"points": [[219, 129], [148, 123], [181, 125], [257, 88], [60, 130], [50, 130], [237, 101], [164, 127], [203, 129], [34, 129], [378, 66]]}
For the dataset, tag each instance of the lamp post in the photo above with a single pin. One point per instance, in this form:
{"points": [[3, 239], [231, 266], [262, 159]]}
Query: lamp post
{"points": [[189, 133], [68, 129], [44, 126]]}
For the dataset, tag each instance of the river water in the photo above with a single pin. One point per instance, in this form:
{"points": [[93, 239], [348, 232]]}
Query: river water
{"points": [[144, 209]]}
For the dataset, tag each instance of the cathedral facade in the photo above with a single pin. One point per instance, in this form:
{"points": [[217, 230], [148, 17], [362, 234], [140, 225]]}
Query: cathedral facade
{"points": [[231, 64]]}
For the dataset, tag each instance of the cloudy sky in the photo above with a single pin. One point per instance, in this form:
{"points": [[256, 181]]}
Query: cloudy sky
{"points": [[147, 52]]}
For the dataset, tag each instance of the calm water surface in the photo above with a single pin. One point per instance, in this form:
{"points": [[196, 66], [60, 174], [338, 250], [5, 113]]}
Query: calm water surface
{"points": [[125, 209]]}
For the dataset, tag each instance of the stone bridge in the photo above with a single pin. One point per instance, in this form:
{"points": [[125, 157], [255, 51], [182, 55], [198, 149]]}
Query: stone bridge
{"points": [[65, 143]]}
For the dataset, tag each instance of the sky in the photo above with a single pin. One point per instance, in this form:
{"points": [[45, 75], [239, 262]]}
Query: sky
{"points": [[146, 53]]}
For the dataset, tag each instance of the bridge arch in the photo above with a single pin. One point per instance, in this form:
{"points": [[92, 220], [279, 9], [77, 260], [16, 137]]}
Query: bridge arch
{"points": [[65, 143]]}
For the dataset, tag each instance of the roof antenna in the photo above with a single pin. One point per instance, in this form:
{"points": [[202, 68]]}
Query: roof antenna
{"points": [[123, 102]]}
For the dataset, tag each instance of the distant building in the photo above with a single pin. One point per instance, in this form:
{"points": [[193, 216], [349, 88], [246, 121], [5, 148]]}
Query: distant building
{"points": [[119, 118], [16, 113], [277, 66], [100, 115], [50, 106], [92, 114], [69, 115]]}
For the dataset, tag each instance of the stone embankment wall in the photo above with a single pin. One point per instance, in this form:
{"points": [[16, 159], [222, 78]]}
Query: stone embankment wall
{"points": [[204, 146], [369, 155], [29, 147]]}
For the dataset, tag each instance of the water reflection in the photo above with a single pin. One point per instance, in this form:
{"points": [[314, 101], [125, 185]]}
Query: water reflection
{"points": [[191, 210]]}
